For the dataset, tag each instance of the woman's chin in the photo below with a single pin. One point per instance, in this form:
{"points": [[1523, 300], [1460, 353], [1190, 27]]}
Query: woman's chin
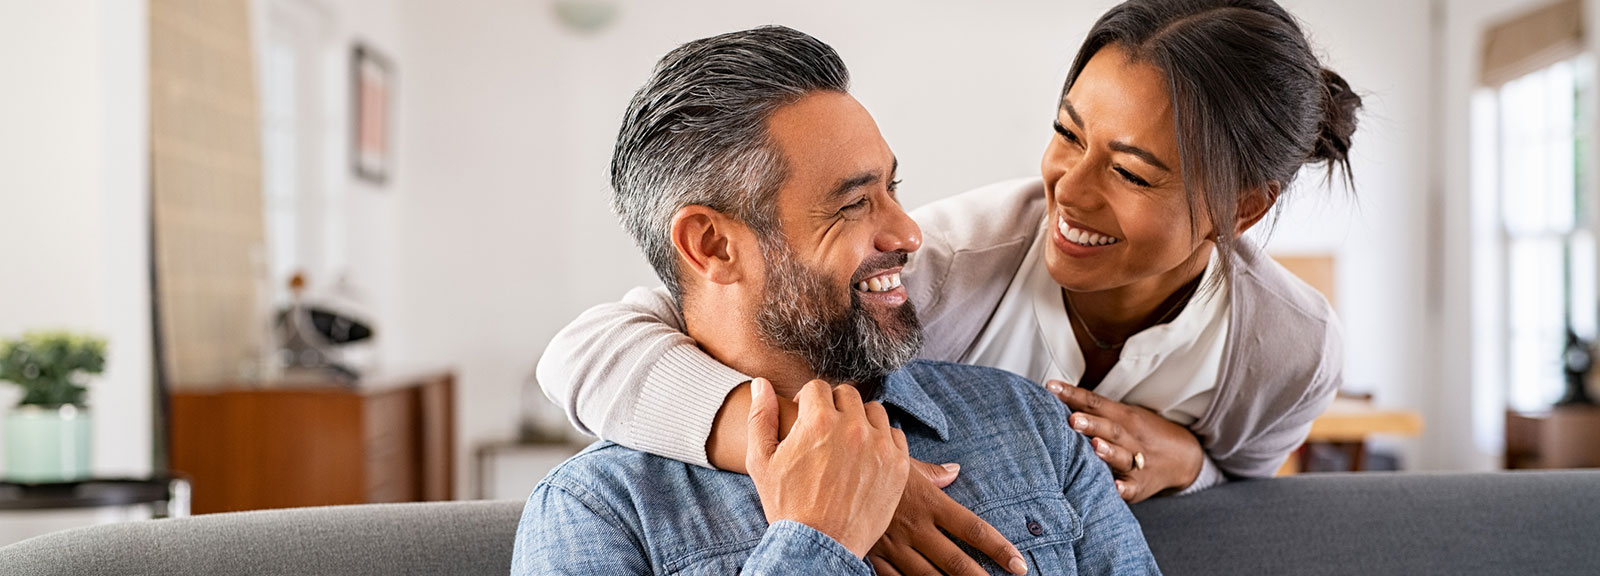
{"points": [[1078, 275]]}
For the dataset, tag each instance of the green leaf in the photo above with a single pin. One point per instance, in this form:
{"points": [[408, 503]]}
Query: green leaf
{"points": [[48, 365]]}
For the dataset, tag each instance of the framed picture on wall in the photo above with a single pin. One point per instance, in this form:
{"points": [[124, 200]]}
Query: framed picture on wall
{"points": [[372, 98]]}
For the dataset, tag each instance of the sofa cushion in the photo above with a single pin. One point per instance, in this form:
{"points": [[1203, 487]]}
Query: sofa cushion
{"points": [[1488, 523]]}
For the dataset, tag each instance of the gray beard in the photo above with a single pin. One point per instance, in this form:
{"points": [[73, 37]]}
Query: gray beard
{"points": [[852, 346]]}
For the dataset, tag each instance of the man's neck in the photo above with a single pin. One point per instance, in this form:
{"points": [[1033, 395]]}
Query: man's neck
{"points": [[733, 339]]}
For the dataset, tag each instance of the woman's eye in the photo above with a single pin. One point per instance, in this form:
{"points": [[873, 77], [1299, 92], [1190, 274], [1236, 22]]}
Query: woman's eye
{"points": [[1132, 179], [1068, 135]]}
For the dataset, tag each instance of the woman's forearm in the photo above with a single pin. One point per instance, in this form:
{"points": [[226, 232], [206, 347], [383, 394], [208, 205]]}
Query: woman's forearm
{"points": [[626, 372], [726, 445]]}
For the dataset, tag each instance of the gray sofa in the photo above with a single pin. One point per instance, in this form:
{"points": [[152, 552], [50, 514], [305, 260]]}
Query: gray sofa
{"points": [[1497, 523]]}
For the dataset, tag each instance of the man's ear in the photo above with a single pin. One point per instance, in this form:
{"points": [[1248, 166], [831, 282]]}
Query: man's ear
{"points": [[1254, 205], [709, 243]]}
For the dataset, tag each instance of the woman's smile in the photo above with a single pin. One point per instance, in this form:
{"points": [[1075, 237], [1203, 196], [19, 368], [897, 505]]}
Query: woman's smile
{"points": [[1079, 241], [1083, 235]]}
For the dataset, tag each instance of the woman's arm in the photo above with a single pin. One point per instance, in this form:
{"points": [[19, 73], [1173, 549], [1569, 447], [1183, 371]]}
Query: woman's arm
{"points": [[626, 371], [1261, 454]]}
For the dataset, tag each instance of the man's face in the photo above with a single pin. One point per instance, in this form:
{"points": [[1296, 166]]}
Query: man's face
{"points": [[833, 292]]}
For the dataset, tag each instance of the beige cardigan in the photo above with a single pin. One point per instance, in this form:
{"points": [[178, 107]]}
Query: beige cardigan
{"points": [[627, 371]]}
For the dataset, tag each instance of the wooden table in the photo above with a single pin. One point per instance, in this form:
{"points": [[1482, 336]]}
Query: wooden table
{"points": [[1348, 423]]}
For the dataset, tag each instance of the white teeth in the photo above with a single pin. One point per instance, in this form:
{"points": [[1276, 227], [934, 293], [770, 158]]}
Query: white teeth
{"points": [[1083, 237], [879, 284]]}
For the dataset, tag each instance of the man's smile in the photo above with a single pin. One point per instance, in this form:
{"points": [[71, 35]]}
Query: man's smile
{"points": [[883, 282]]}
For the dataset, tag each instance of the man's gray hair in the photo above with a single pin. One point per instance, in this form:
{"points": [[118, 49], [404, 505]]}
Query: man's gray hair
{"points": [[696, 134]]}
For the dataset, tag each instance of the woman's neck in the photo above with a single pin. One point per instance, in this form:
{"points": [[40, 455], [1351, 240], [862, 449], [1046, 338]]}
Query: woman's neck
{"points": [[1117, 314]]}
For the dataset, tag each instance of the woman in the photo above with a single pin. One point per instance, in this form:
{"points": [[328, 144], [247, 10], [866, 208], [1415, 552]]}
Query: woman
{"points": [[1120, 278]]}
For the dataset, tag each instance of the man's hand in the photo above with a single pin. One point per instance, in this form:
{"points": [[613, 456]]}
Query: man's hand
{"points": [[1148, 454], [840, 470]]}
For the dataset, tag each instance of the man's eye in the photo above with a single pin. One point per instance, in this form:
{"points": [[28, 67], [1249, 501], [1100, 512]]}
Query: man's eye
{"points": [[858, 206], [894, 185]]}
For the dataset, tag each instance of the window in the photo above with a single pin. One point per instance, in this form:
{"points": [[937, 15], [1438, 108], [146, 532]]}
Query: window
{"points": [[297, 198], [1547, 244]]}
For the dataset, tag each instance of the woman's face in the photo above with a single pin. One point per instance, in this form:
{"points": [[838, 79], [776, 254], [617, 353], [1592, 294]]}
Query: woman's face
{"points": [[1118, 213]]}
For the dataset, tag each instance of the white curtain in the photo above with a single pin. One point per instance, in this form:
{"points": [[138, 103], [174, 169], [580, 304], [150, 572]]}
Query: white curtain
{"points": [[205, 148]]}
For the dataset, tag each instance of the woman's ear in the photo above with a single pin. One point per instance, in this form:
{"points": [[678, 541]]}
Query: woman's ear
{"points": [[707, 244], [1254, 205]]}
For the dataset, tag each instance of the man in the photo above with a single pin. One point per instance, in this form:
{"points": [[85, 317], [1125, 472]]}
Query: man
{"points": [[764, 196]]}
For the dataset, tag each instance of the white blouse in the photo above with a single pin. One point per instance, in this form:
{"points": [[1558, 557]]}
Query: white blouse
{"points": [[1172, 369]]}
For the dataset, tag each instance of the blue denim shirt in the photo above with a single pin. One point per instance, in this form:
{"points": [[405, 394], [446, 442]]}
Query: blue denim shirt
{"points": [[612, 510]]}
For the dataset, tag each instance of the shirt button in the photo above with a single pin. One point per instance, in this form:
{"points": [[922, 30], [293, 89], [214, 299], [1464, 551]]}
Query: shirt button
{"points": [[1035, 528]]}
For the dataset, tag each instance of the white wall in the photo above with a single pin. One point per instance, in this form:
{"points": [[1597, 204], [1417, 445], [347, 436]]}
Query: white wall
{"points": [[368, 214], [74, 199], [483, 207], [1378, 232]]}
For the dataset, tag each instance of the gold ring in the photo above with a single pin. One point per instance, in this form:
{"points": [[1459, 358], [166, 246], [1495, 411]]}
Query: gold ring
{"points": [[1138, 460]]}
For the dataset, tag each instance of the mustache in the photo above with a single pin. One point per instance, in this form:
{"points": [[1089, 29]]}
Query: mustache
{"points": [[877, 263]]}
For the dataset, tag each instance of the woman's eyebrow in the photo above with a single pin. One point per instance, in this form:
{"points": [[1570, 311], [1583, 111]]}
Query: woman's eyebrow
{"points": [[1140, 152], [1117, 146], [1072, 113]]}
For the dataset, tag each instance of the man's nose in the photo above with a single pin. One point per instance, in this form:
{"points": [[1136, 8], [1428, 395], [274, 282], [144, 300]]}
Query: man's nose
{"points": [[898, 232]]}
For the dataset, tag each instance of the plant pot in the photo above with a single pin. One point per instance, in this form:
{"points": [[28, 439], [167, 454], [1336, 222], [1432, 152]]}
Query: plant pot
{"points": [[46, 444]]}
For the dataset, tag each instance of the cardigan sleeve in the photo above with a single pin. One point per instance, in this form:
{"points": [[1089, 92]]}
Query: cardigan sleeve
{"points": [[1261, 456], [1284, 374], [625, 371]]}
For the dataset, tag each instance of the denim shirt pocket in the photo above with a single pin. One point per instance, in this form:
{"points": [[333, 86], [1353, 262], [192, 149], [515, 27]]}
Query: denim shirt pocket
{"points": [[1042, 525], [730, 563], [727, 558]]}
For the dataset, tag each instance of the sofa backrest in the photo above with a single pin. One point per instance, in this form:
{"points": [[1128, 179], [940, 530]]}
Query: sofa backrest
{"points": [[1491, 523], [377, 539], [1383, 523]]}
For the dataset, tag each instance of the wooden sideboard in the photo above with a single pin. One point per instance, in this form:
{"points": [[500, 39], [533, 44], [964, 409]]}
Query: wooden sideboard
{"points": [[1563, 437], [384, 439]]}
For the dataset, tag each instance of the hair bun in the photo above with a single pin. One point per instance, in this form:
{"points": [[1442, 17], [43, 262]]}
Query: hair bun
{"points": [[1339, 106]]}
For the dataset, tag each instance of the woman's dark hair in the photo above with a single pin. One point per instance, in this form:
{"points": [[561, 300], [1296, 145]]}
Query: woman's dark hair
{"points": [[1251, 101]]}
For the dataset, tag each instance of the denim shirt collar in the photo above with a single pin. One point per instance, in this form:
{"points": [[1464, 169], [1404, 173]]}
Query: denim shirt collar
{"points": [[902, 391]]}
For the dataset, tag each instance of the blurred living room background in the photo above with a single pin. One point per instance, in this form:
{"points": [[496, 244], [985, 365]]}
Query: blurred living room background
{"points": [[326, 241]]}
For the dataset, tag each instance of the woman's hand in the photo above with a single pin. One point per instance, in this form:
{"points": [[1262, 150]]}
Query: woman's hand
{"points": [[1124, 434], [914, 544]]}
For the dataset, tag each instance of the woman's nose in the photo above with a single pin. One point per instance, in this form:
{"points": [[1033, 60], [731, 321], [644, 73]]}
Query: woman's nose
{"points": [[1075, 188]]}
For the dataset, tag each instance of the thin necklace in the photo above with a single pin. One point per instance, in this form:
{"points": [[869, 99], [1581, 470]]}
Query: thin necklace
{"points": [[1106, 345]]}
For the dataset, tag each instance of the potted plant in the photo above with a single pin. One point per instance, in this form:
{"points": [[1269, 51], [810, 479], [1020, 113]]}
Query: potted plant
{"points": [[47, 433]]}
